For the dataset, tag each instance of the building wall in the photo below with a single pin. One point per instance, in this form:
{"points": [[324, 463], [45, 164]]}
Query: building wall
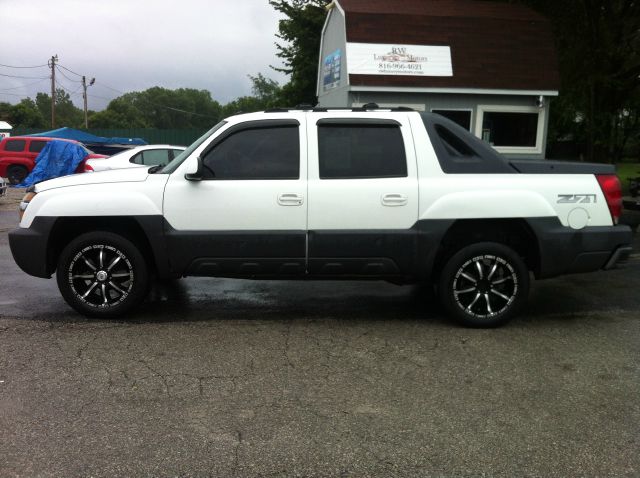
{"points": [[472, 103]]}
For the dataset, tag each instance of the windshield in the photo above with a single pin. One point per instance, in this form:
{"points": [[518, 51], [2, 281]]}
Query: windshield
{"points": [[177, 161]]}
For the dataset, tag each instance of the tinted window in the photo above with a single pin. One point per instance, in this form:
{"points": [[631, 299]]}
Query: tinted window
{"points": [[15, 145], [510, 129], [256, 153], [361, 151], [453, 144], [154, 157], [137, 159], [462, 118], [37, 146]]}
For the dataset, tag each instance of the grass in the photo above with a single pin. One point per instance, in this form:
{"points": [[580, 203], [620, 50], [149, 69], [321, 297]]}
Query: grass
{"points": [[626, 171]]}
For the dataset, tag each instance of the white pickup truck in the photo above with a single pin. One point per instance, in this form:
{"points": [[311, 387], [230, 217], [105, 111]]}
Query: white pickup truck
{"points": [[361, 193]]}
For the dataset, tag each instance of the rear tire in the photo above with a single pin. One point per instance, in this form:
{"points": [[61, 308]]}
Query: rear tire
{"points": [[16, 174], [101, 274], [484, 285]]}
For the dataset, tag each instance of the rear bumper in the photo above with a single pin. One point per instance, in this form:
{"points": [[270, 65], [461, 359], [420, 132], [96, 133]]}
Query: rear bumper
{"points": [[565, 251]]}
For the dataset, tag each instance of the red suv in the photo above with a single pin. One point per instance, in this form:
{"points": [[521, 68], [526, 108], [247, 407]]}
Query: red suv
{"points": [[18, 156]]}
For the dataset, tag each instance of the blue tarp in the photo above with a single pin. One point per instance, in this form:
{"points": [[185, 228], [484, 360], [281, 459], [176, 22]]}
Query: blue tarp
{"points": [[88, 138], [57, 158]]}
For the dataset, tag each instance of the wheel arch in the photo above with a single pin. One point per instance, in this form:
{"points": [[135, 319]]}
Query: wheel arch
{"points": [[146, 235], [515, 233]]}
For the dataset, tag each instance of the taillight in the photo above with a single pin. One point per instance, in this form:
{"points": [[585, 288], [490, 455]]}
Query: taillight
{"points": [[612, 190], [88, 168]]}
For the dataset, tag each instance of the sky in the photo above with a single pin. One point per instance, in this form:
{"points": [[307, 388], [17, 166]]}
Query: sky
{"points": [[132, 45]]}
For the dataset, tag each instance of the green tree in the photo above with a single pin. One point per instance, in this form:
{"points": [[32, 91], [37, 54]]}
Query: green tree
{"points": [[300, 32], [266, 93], [67, 114], [26, 115], [598, 44]]}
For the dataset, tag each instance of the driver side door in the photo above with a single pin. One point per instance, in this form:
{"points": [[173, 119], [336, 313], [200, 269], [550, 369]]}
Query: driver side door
{"points": [[248, 215]]}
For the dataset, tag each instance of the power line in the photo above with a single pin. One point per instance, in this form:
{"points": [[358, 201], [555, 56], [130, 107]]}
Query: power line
{"points": [[62, 73], [10, 66], [26, 77], [24, 86], [13, 94], [70, 71]]}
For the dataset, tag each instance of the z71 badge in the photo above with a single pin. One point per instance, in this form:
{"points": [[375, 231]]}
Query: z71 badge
{"points": [[576, 198]]}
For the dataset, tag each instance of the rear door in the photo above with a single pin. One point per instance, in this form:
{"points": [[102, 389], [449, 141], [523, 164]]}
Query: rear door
{"points": [[363, 195]]}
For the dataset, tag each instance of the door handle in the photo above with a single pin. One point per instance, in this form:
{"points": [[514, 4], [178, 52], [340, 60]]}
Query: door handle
{"points": [[290, 199], [394, 199]]}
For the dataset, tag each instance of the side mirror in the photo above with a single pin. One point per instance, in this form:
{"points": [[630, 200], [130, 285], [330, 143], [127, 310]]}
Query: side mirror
{"points": [[197, 174]]}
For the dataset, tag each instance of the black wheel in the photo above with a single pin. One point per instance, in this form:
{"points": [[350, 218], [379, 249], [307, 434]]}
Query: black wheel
{"points": [[101, 274], [484, 285], [16, 173]]}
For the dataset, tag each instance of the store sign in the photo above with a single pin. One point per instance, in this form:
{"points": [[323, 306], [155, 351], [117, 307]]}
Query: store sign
{"points": [[331, 70], [387, 59]]}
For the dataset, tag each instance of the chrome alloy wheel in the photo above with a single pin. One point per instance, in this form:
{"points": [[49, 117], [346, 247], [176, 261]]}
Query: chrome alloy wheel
{"points": [[100, 276], [485, 286]]}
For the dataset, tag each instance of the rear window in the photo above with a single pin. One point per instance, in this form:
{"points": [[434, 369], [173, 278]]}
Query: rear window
{"points": [[15, 145], [37, 146]]}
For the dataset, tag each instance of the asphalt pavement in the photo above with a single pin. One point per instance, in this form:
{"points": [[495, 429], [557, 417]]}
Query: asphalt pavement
{"points": [[216, 377]]}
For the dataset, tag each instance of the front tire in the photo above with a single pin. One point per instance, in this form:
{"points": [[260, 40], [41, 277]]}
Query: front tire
{"points": [[102, 274], [484, 285]]}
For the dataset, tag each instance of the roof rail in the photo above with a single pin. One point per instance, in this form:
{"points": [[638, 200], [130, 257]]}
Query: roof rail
{"points": [[322, 109]]}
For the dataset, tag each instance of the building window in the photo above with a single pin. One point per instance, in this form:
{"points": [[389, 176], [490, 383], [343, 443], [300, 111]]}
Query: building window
{"points": [[461, 117], [358, 151], [511, 129]]}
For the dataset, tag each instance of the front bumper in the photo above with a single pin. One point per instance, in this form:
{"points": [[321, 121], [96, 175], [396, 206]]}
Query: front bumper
{"points": [[29, 247]]}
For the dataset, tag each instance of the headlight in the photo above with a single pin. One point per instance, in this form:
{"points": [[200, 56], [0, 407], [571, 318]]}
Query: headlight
{"points": [[25, 202]]}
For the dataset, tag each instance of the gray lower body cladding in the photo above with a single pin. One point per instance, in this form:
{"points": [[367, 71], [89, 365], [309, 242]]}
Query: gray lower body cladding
{"points": [[402, 255]]}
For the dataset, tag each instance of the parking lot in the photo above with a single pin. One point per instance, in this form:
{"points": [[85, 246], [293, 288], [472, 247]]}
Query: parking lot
{"points": [[238, 378]]}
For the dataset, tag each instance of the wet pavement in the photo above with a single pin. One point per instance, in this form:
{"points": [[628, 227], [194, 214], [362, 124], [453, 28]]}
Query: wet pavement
{"points": [[217, 377]]}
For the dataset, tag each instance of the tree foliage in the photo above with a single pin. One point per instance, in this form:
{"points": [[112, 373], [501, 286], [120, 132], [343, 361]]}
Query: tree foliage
{"points": [[300, 32], [598, 44]]}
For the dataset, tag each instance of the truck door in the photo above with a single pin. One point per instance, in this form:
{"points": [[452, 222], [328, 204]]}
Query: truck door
{"points": [[248, 216], [363, 195]]}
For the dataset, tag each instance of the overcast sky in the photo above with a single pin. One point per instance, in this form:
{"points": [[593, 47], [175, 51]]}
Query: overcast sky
{"points": [[131, 45]]}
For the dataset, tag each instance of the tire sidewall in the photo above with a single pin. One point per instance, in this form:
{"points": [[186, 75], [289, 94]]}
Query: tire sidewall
{"points": [[447, 277], [132, 254], [11, 177]]}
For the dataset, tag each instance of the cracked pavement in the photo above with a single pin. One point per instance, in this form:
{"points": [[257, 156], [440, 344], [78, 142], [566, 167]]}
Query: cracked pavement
{"points": [[218, 377]]}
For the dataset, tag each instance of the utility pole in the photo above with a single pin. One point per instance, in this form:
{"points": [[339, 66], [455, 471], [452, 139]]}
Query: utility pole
{"points": [[52, 65], [84, 95]]}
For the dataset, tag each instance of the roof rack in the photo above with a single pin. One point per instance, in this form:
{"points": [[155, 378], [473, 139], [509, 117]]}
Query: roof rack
{"points": [[321, 109]]}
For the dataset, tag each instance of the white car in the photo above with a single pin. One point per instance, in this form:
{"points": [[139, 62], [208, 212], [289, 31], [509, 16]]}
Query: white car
{"points": [[138, 157], [3, 187]]}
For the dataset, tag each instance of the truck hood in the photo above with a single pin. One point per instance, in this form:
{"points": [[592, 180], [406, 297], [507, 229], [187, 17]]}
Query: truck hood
{"points": [[114, 176]]}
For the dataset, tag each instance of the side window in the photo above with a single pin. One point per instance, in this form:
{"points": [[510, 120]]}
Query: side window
{"points": [[256, 153], [175, 152], [37, 146], [154, 157], [136, 159], [361, 151], [15, 145], [454, 145]]}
